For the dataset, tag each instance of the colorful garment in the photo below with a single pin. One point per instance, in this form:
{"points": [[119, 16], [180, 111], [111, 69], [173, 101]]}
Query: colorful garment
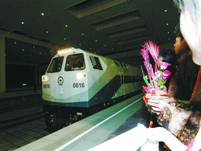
{"points": [[191, 128]]}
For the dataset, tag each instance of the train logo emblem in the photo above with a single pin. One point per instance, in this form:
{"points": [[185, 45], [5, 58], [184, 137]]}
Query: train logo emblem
{"points": [[60, 80]]}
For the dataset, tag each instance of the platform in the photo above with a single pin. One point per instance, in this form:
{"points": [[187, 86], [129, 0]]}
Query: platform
{"points": [[95, 129]]}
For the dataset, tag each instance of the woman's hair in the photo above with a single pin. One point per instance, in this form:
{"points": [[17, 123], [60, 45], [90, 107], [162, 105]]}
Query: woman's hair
{"points": [[168, 55]]}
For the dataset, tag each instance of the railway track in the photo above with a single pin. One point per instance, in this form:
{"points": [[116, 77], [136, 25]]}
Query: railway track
{"points": [[21, 120]]}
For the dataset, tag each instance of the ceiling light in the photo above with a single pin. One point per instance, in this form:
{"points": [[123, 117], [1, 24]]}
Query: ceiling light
{"points": [[165, 10], [168, 32], [66, 26], [15, 42], [167, 24], [46, 31], [22, 49], [22, 22], [96, 40], [42, 14], [82, 34]]}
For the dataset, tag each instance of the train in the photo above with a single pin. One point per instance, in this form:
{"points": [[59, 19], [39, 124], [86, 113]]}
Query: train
{"points": [[78, 83]]}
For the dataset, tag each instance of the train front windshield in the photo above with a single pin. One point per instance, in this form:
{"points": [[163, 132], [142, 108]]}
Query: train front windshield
{"points": [[55, 65], [75, 62]]}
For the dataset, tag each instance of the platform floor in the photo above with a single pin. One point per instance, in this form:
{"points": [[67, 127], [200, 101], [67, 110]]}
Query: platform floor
{"points": [[95, 129]]}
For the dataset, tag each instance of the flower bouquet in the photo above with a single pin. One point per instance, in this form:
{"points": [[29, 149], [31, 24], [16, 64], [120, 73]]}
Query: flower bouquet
{"points": [[156, 73]]}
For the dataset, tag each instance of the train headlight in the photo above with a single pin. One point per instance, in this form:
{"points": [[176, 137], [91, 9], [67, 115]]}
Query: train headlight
{"points": [[45, 78], [80, 75]]}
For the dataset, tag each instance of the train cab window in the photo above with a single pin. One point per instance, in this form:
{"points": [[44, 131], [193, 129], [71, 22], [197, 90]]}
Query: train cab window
{"points": [[75, 62], [96, 63], [55, 65]]}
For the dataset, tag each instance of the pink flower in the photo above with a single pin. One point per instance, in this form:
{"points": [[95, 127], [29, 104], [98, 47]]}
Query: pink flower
{"points": [[145, 54], [153, 49], [146, 89], [157, 74], [164, 65], [166, 73]]}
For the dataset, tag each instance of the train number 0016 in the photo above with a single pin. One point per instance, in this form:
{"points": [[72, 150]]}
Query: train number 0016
{"points": [[78, 85]]}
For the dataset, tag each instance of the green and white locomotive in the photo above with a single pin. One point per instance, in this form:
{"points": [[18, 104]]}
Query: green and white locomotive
{"points": [[78, 83]]}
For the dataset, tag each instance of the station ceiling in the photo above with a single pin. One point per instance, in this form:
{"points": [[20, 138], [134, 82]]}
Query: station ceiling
{"points": [[101, 26]]}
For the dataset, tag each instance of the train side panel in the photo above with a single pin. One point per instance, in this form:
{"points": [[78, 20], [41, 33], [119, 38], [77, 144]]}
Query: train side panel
{"points": [[129, 83], [103, 83]]}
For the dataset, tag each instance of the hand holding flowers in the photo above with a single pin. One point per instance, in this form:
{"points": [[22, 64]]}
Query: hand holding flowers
{"points": [[155, 77]]}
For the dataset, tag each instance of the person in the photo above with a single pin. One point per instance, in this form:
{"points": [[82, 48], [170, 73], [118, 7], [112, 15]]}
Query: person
{"points": [[190, 24], [181, 62], [175, 119], [179, 88], [179, 115]]}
